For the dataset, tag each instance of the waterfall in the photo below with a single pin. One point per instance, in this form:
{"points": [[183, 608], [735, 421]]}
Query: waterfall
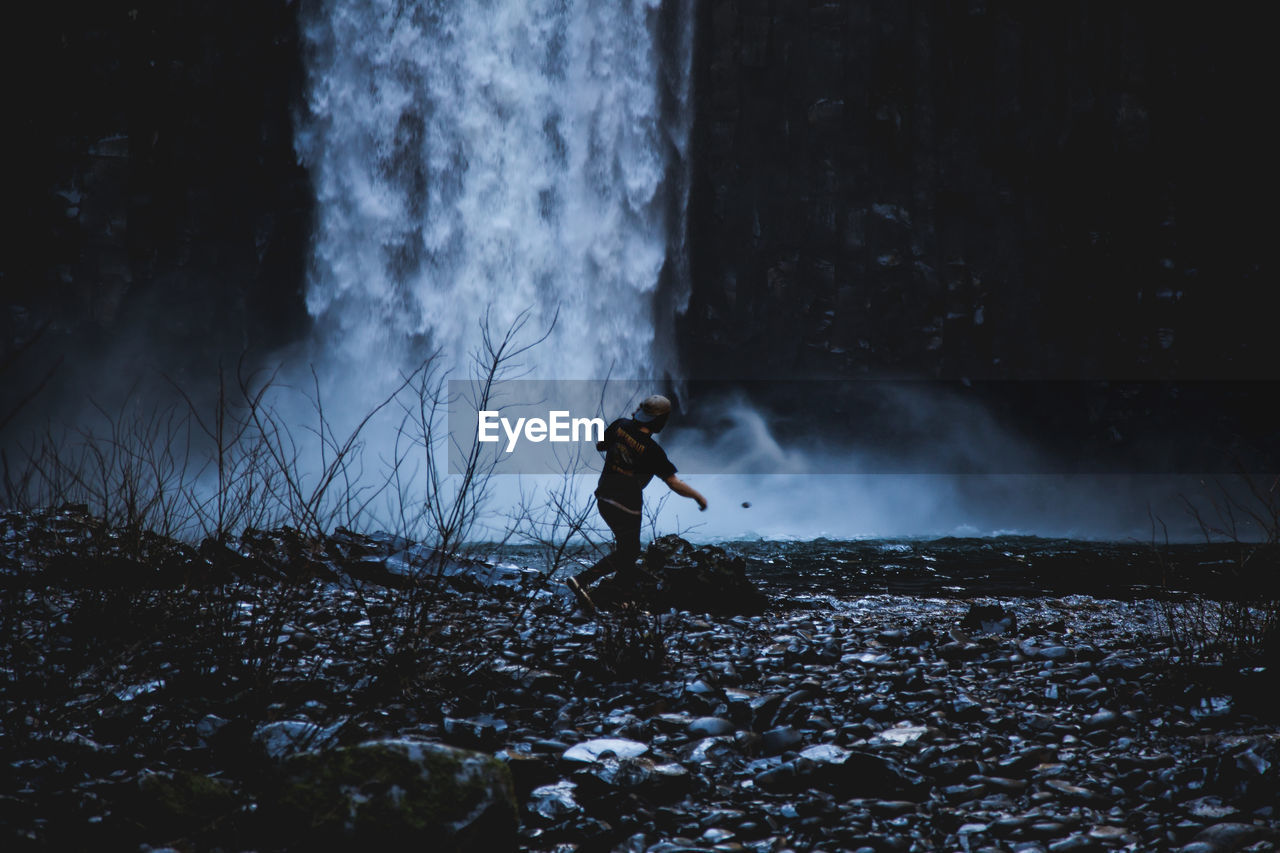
{"points": [[474, 156]]}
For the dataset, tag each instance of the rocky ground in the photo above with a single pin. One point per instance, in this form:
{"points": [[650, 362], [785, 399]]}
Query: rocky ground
{"points": [[240, 714]]}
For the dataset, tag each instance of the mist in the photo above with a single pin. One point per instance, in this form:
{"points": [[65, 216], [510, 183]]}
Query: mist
{"points": [[541, 162]]}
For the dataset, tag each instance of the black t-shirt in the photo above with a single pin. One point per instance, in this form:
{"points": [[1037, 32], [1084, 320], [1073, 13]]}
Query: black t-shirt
{"points": [[631, 459]]}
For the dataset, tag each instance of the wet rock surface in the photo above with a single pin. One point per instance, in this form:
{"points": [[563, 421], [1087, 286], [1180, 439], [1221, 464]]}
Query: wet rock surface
{"points": [[396, 791], [674, 573], [848, 155], [159, 179], [835, 722], [66, 546]]}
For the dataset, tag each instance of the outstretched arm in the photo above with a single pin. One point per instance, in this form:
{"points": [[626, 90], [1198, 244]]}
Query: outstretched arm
{"points": [[684, 490]]}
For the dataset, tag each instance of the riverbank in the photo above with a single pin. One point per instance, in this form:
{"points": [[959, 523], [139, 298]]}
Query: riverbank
{"points": [[163, 716]]}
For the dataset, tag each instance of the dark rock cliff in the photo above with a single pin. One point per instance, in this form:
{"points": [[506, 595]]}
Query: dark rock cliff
{"points": [[986, 190], [980, 189], [153, 176]]}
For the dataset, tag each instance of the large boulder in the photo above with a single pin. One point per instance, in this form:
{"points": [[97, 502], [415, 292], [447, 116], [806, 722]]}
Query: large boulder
{"points": [[844, 772], [398, 794], [677, 574], [177, 804]]}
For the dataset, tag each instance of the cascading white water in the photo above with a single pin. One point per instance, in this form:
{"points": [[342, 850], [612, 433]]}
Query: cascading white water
{"points": [[474, 156]]}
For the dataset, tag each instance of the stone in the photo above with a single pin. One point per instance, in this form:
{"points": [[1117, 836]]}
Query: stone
{"points": [[711, 749], [989, 619], [825, 753], [1209, 808], [1074, 793], [1075, 844], [554, 802], [1055, 653], [595, 750], [180, 803], [1031, 771], [210, 725], [395, 792], [1228, 837], [965, 709], [484, 732], [287, 737], [779, 740], [1111, 835], [844, 773], [619, 772], [680, 575], [528, 770], [1103, 719], [891, 637], [901, 735], [709, 727]]}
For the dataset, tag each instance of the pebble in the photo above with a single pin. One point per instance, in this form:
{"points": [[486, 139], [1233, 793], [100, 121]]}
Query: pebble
{"points": [[779, 740], [1104, 719], [594, 750], [709, 727], [881, 723]]}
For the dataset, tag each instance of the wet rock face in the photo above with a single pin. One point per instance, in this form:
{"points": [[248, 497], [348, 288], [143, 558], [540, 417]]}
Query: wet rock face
{"points": [[84, 552], [677, 574], [827, 722], [176, 802], [396, 791], [989, 619], [154, 171], [973, 189], [849, 729]]}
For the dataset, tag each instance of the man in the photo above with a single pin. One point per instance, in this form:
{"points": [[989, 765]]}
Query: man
{"points": [[631, 459]]}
